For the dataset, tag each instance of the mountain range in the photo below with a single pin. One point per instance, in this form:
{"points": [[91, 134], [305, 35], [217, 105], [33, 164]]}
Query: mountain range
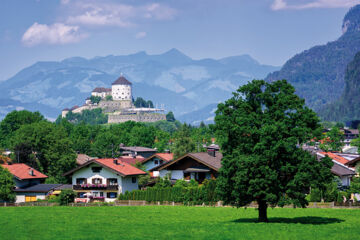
{"points": [[172, 79], [318, 74]]}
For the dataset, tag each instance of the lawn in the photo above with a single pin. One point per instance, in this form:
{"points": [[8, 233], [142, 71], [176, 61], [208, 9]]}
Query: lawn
{"points": [[167, 222]]}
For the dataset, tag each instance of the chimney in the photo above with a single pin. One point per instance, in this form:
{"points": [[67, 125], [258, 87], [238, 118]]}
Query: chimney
{"points": [[211, 152], [31, 172], [116, 162], [167, 151]]}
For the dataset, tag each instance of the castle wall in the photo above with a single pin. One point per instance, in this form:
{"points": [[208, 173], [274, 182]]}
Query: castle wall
{"points": [[112, 106], [139, 117], [121, 92]]}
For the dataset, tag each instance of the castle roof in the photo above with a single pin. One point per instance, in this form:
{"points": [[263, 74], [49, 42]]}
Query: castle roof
{"points": [[101, 89], [122, 81]]}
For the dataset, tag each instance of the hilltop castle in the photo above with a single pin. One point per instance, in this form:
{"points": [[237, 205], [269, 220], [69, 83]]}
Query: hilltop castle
{"points": [[117, 103]]}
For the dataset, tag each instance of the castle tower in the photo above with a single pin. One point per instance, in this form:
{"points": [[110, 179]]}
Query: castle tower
{"points": [[121, 89]]}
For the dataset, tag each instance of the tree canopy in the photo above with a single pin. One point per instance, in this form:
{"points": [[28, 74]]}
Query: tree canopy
{"points": [[7, 185], [261, 130]]}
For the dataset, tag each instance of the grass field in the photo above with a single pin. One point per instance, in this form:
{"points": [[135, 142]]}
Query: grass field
{"points": [[167, 222]]}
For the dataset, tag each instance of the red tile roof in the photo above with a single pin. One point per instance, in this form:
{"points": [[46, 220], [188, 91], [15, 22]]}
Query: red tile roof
{"points": [[131, 160], [22, 171], [335, 157], [122, 168]]}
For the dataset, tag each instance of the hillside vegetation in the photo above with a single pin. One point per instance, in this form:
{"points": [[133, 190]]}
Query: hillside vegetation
{"points": [[318, 73]]}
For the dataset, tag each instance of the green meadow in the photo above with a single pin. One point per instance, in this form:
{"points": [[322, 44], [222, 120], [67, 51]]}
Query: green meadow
{"points": [[178, 222]]}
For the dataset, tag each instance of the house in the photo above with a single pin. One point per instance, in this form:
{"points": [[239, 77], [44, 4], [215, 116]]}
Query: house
{"points": [[135, 151], [354, 163], [132, 160], [349, 135], [24, 176], [340, 169], [104, 179], [39, 192], [156, 160], [198, 166]]}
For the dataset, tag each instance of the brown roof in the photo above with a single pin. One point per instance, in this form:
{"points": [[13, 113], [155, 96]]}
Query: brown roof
{"points": [[138, 149], [340, 170], [101, 89], [353, 162], [131, 160], [122, 168], [202, 157], [121, 81], [22, 171], [83, 158], [163, 156]]}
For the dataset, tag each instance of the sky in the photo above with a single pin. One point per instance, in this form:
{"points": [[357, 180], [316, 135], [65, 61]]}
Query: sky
{"points": [[271, 31]]}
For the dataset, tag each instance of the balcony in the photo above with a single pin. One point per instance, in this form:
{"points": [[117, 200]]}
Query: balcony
{"points": [[95, 187]]}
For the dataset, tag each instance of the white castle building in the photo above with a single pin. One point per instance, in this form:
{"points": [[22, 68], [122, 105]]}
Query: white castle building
{"points": [[121, 107]]}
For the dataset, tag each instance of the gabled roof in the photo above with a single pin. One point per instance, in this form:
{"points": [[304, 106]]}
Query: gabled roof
{"points": [[163, 156], [201, 157], [353, 162], [131, 160], [121, 81], [335, 157], [341, 170], [101, 89], [22, 171], [122, 168], [137, 149]]}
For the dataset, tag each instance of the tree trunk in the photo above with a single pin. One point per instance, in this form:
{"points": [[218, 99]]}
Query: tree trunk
{"points": [[262, 211]]}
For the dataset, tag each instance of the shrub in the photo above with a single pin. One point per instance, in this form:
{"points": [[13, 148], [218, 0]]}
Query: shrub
{"points": [[315, 195], [67, 196]]}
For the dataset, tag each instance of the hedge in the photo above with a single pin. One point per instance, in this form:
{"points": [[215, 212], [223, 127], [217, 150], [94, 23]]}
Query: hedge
{"points": [[187, 195]]}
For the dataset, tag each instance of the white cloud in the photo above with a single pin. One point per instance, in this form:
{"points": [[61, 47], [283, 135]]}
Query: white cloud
{"points": [[65, 2], [116, 14], [57, 33], [284, 4], [140, 35]]}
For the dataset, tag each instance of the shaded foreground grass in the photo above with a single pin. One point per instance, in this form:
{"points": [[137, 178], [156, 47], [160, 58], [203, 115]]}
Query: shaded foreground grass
{"points": [[166, 222]]}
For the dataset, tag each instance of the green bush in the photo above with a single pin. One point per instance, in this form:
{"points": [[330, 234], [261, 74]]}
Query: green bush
{"points": [[66, 196], [315, 195]]}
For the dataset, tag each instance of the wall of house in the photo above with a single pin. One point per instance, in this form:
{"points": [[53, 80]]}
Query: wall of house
{"points": [[345, 180], [128, 185], [151, 164], [121, 92], [20, 197], [177, 174]]}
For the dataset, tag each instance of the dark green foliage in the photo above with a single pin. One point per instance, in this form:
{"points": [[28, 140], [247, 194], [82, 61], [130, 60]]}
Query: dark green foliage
{"points": [[44, 146], [260, 129], [183, 143], [95, 99], [184, 193], [108, 98], [315, 195], [170, 117], [140, 102], [93, 117], [66, 196], [13, 121], [347, 108], [7, 185]]}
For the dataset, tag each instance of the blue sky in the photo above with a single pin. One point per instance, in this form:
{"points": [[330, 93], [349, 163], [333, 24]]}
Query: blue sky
{"points": [[271, 31]]}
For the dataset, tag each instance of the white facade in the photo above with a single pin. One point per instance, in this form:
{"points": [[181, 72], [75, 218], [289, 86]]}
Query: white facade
{"points": [[101, 94], [121, 92], [21, 197], [124, 183]]}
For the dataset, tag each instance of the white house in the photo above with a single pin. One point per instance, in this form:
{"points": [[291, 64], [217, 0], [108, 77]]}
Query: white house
{"points": [[104, 179], [121, 89]]}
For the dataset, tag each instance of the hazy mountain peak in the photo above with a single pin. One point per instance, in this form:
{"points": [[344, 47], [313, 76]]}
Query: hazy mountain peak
{"points": [[351, 21]]}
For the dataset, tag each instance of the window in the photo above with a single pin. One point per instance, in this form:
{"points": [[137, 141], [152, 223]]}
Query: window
{"points": [[98, 194], [112, 181], [80, 181], [96, 169], [97, 181], [81, 195], [111, 195], [133, 179], [156, 162]]}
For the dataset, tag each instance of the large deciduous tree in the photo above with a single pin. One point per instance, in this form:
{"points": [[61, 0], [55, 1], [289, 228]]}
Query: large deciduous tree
{"points": [[7, 185], [261, 130]]}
